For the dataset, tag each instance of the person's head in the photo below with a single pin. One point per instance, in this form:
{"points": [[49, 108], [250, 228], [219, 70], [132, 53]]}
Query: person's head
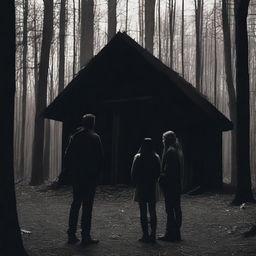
{"points": [[146, 146], [169, 138], [88, 121]]}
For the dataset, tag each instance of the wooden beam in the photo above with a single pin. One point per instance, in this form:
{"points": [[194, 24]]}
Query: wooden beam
{"points": [[115, 146], [145, 98]]}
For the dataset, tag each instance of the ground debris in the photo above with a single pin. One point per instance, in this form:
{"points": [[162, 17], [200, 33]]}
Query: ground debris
{"points": [[232, 230], [24, 231], [116, 223]]}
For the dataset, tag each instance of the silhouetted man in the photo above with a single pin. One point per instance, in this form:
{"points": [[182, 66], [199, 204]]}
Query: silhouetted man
{"points": [[86, 156], [170, 182]]}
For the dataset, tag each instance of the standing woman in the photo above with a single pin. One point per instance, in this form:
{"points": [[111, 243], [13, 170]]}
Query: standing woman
{"points": [[145, 173], [170, 182]]}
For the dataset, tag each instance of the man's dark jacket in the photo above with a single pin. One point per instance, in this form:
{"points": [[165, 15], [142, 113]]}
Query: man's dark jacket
{"points": [[85, 157]]}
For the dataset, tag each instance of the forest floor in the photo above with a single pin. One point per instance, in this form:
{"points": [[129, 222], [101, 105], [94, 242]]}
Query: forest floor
{"points": [[210, 225]]}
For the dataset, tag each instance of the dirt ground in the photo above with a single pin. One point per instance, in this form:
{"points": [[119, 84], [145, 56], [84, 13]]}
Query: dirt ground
{"points": [[210, 225]]}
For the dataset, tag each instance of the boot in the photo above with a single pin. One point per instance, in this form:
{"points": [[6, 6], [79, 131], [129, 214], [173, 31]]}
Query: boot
{"points": [[87, 240], [172, 237], [72, 239], [178, 236], [145, 237], [152, 236]]}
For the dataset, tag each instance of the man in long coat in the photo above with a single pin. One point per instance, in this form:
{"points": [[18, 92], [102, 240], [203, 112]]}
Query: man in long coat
{"points": [[85, 156]]}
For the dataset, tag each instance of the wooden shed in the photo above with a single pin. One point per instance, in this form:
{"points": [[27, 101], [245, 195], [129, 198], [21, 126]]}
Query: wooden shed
{"points": [[134, 95]]}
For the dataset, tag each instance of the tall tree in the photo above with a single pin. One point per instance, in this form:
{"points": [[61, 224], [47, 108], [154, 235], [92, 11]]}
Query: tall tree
{"points": [[230, 86], [215, 51], [47, 127], [62, 22], [243, 191], [74, 38], [37, 176], [149, 24], [172, 21], [24, 84], [10, 235], [35, 44], [126, 14], [141, 21], [159, 30], [199, 29], [182, 38], [111, 19], [87, 31]]}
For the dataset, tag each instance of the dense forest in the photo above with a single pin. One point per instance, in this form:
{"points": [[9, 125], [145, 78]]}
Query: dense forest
{"points": [[55, 39], [210, 43]]}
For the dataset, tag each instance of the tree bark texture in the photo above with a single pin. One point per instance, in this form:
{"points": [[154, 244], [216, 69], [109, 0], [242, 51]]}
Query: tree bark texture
{"points": [[35, 50], [149, 24], [37, 176], [62, 22], [182, 39], [172, 21], [10, 235], [159, 31], [199, 27], [244, 191], [24, 84], [87, 31], [230, 86], [111, 19]]}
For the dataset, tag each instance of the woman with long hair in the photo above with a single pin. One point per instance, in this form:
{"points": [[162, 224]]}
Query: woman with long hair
{"points": [[170, 182], [145, 173]]}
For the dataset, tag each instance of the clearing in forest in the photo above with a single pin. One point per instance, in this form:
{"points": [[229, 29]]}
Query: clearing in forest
{"points": [[210, 225]]}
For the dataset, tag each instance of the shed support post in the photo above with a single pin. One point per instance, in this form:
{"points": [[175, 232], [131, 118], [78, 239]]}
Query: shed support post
{"points": [[115, 146]]}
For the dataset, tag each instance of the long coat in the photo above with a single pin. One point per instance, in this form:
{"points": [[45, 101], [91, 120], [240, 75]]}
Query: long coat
{"points": [[145, 173]]}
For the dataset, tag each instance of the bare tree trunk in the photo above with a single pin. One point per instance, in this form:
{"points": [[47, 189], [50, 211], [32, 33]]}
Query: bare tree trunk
{"points": [[87, 31], [74, 38], [62, 23], [11, 240], [215, 53], [172, 21], [35, 51], [204, 69], [18, 110], [47, 127], [201, 38], [149, 24], [182, 38], [24, 84], [230, 87], [199, 27], [141, 21], [166, 34], [244, 190], [159, 31], [111, 19], [126, 15], [37, 176], [79, 34]]}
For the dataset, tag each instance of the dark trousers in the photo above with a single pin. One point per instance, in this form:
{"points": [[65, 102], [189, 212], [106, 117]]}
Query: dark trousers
{"points": [[82, 195], [174, 215], [144, 208]]}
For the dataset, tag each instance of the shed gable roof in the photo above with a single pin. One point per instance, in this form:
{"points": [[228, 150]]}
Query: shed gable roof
{"points": [[123, 61]]}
